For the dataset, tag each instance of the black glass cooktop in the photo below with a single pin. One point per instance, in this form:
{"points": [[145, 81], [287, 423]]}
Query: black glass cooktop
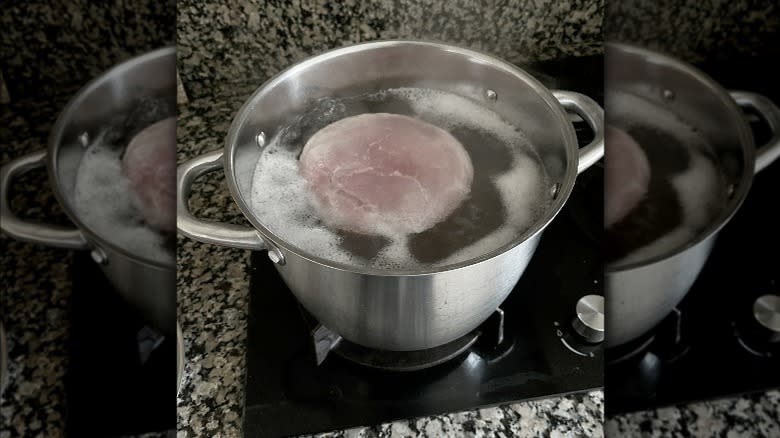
{"points": [[288, 393], [121, 373], [711, 346]]}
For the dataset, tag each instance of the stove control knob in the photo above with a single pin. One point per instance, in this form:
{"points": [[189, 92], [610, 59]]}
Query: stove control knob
{"points": [[589, 322], [766, 311]]}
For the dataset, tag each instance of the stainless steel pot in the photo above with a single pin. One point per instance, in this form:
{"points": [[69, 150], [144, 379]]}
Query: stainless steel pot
{"points": [[396, 310], [639, 295], [147, 284]]}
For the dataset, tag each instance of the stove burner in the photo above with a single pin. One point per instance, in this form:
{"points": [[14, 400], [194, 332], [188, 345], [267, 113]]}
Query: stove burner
{"points": [[622, 353], [325, 341], [672, 346], [666, 341], [405, 360], [633, 381]]}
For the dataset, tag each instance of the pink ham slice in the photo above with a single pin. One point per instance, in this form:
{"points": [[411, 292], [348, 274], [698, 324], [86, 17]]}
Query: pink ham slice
{"points": [[150, 165], [385, 174], [626, 177]]}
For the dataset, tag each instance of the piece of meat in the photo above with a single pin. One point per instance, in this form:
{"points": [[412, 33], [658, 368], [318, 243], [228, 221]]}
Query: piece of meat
{"points": [[149, 163], [385, 174], [626, 176]]}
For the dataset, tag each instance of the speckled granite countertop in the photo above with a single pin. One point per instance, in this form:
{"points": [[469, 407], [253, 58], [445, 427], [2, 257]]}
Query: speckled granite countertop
{"points": [[747, 416], [225, 41], [697, 30], [34, 305], [57, 44]]}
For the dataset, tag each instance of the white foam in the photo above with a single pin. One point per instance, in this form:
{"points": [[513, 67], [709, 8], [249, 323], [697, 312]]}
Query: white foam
{"points": [[282, 202], [451, 111], [279, 196], [103, 200], [699, 189], [521, 189], [395, 255]]}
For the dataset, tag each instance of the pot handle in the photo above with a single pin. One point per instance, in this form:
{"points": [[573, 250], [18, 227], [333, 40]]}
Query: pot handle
{"points": [[219, 233], [769, 152], [593, 114], [45, 234]]}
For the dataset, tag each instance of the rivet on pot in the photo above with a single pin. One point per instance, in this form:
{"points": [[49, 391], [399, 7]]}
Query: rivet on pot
{"points": [[668, 94], [260, 139], [491, 95], [554, 190], [731, 190], [99, 256], [84, 139], [276, 256]]}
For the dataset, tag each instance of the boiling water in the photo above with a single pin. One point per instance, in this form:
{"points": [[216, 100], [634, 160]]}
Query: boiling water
{"points": [[103, 198], [686, 192], [508, 194]]}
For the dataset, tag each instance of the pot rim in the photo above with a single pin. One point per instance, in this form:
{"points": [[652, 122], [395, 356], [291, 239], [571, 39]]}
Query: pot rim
{"points": [[54, 141], [543, 92], [748, 148]]}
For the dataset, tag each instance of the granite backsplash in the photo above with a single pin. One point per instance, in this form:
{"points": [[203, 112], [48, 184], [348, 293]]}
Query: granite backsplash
{"points": [[221, 43], [53, 47], [697, 30]]}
